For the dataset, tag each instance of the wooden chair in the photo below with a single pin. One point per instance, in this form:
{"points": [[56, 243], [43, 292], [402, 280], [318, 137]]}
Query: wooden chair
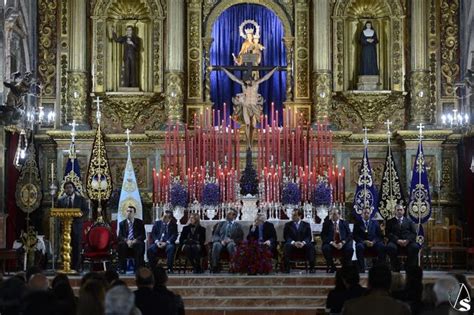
{"points": [[456, 244], [439, 245]]}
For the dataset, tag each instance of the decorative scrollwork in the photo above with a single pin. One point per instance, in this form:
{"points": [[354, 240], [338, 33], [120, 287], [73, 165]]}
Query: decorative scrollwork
{"points": [[449, 46], [28, 193], [322, 83], [47, 13]]}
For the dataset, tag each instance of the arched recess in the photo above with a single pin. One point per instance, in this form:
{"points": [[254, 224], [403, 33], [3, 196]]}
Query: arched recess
{"points": [[349, 17], [270, 4], [147, 17]]}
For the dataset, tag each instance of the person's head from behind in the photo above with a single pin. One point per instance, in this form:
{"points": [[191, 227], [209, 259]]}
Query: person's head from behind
{"points": [[297, 215], [414, 276], [380, 277], [144, 278], [58, 279], [31, 271], [159, 273], [38, 282], [110, 276], [119, 301], [443, 287], [350, 276], [69, 188], [93, 276], [366, 213], [131, 211], [91, 297], [39, 303]]}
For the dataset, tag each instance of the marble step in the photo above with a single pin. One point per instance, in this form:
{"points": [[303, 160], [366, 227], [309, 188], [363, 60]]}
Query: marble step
{"points": [[254, 311], [256, 301], [250, 290]]}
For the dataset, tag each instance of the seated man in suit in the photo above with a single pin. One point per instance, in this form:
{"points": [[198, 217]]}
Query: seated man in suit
{"points": [[131, 240], [227, 234], [367, 234], [401, 232], [297, 234], [164, 235], [336, 236], [73, 199], [263, 232], [192, 240]]}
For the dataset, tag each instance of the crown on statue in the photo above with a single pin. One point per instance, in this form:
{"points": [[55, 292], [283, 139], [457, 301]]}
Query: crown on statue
{"points": [[256, 36], [249, 31]]}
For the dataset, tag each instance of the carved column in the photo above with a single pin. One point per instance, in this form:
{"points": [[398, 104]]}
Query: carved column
{"points": [[77, 75], [206, 43], [322, 75], [289, 46], [174, 73], [420, 80]]}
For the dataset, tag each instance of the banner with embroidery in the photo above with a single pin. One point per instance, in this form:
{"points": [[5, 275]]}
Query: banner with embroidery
{"points": [[391, 192], [419, 204], [366, 192]]}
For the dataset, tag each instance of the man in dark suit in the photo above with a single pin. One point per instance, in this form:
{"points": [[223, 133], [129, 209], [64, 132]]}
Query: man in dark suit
{"points": [[192, 240], [73, 199], [401, 232], [367, 234], [336, 236], [227, 234], [263, 232], [164, 235], [131, 240], [297, 234]]}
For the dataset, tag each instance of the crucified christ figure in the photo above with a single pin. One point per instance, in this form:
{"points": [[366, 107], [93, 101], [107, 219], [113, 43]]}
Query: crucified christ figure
{"points": [[249, 103]]}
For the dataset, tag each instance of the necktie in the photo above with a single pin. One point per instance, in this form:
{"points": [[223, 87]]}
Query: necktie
{"points": [[69, 203], [130, 230], [227, 230], [297, 225], [337, 237], [366, 226], [260, 233], [400, 222]]}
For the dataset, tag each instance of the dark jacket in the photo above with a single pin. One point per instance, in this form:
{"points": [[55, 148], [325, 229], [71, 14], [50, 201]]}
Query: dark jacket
{"points": [[138, 230], [175, 299], [269, 233], [327, 234], [236, 232], [151, 302], [196, 238], [159, 233], [395, 232], [373, 234], [79, 203], [303, 234]]}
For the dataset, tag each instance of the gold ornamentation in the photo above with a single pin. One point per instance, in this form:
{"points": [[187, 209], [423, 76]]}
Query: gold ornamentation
{"points": [[64, 17], [99, 181], [289, 47], [174, 95], [47, 13], [66, 216], [77, 97], [302, 51], [322, 95], [351, 110], [449, 46], [433, 47], [376, 164], [207, 42], [420, 99], [64, 104], [28, 193], [207, 6], [411, 135], [194, 51], [138, 112]]}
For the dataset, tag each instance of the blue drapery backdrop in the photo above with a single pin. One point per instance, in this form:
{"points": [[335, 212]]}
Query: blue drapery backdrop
{"points": [[227, 40]]}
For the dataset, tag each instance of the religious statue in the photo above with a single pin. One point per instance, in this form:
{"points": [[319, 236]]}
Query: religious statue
{"points": [[368, 59], [249, 103], [131, 44]]}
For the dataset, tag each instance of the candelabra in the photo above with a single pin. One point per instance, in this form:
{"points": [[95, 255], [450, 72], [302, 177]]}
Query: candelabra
{"points": [[455, 119]]}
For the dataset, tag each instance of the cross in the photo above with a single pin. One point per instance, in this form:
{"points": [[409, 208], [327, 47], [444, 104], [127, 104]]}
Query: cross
{"points": [[389, 133], [98, 114], [73, 130], [365, 141], [420, 128], [128, 143]]}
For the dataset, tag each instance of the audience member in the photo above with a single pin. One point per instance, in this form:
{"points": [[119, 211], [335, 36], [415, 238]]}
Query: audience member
{"points": [[351, 279], [164, 235], [110, 276], [39, 302], [66, 301], [442, 289], [227, 235], [335, 296], [377, 301], [11, 292], [91, 297], [412, 291], [398, 283], [120, 301], [31, 271], [146, 298], [428, 298], [161, 278], [297, 235], [38, 282]]}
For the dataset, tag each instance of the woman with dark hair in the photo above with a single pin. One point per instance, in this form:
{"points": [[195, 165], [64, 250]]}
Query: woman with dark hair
{"points": [[65, 300], [335, 299], [91, 298], [368, 57]]}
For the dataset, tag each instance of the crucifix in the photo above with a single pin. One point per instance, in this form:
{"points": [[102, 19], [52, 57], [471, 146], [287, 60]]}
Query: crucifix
{"points": [[128, 143], [366, 140], [98, 114]]}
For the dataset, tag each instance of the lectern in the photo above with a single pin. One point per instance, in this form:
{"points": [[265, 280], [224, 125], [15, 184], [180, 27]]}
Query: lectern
{"points": [[66, 215]]}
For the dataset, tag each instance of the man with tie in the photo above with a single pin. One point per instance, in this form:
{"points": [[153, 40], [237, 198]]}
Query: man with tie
{"points": [[164, 235], [131, 240], [401, 232], [367, 234], [227, 235], [336, 237], [73, 199], [297, 235], [263, 232]]}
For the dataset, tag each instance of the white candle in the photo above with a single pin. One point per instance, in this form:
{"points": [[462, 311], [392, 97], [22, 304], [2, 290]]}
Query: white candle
{"points": [[52, 172]]}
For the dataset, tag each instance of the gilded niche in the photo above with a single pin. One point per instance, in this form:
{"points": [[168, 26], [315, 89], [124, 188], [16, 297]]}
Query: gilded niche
{"points": [[47, 13]]}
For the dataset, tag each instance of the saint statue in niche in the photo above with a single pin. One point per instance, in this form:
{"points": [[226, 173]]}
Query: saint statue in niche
{"points": [[251, 47], [368, 57], [131, 52]]}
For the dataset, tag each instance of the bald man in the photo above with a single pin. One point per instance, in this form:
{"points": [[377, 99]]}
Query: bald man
{"points": [[38, 282]]}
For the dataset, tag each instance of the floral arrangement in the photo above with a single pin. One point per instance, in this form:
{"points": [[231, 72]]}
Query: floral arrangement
{"points": [[251, 258], [210, 194], [178, 196], [322, 195], [249, 180], [291, 194]]}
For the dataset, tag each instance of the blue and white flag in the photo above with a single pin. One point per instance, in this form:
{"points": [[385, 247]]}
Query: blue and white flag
{"points": [[366, 193], [129, 195], [419, 204]]}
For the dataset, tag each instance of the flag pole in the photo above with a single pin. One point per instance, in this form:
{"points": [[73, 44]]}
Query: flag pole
{"points": [[420, 169], [366, 142]]}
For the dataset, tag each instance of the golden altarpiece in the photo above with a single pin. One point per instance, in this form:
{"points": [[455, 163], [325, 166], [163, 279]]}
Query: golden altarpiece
{"points": [[418, 58]]}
